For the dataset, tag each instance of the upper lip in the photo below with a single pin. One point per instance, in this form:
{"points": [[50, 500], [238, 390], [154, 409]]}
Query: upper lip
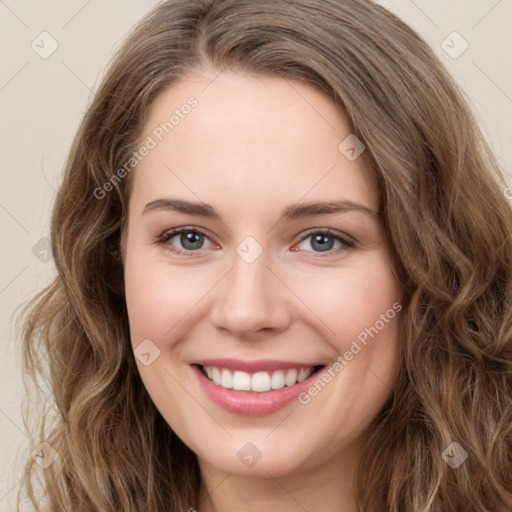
{"points": [[262, 365]]}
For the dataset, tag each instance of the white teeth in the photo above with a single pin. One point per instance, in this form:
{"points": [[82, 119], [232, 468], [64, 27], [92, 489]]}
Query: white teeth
{"points": [[303, 374], [291, 377], [277, 380], [259, 382], [241, 381], [226, 379], [216, 376]]}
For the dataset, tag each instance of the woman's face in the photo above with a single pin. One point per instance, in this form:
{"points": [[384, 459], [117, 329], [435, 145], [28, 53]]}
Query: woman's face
{"points": [[261, 285]]}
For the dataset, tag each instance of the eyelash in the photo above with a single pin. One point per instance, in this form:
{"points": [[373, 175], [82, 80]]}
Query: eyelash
{"points": [[164, 238]]}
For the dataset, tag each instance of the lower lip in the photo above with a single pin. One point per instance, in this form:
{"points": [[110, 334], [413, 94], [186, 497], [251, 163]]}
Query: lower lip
{"points": [[252, 404]]}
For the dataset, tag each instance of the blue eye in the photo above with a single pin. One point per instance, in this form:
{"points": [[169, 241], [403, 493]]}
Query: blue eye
{"points": [[192, 240], [323, 241]]}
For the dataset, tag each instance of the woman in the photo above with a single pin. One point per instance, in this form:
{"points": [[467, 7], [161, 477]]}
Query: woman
{"points": [[284, 274]]}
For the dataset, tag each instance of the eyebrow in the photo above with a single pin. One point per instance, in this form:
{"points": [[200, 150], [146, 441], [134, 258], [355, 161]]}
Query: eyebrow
{"points": [[292, 212]]}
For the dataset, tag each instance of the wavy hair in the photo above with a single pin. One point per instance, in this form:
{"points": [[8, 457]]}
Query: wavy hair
{"points": [[446, 219]]}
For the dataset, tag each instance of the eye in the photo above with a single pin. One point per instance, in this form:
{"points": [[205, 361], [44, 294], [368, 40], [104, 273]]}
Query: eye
{"points": [[324, 241], [191, 239]]}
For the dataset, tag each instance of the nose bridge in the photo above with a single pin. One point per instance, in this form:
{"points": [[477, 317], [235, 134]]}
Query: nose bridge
{"points": [[251, 297]]}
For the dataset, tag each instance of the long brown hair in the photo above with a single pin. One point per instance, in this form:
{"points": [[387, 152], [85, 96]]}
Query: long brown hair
{"points": [[446, 220]]}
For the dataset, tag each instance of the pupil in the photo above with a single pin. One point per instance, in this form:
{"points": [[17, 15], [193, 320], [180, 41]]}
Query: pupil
{"points": [[191, 238], [323, 245]]}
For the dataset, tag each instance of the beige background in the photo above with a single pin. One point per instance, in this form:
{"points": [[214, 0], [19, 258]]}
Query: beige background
{"points": [[43, 99]]}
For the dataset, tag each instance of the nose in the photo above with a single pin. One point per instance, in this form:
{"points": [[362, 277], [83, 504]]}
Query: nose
{"points": [[251, 301]]}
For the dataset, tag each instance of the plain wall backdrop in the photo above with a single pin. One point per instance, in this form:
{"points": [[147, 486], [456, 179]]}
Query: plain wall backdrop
{"points": [[53, 56]]}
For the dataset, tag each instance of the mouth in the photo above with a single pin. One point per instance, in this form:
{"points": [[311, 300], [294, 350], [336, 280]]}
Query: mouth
{"points": [[257, 382], [254, 388]]}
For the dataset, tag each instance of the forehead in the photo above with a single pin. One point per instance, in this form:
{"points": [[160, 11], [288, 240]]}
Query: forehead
{"points": [[246, 136]]}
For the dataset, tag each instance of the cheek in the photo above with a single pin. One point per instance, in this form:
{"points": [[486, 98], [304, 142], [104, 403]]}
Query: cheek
{"points": [[352, 301], [146, 302], [160, 299]]}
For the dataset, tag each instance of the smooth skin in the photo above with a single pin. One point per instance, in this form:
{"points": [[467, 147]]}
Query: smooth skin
{"points": [[253, 146]]}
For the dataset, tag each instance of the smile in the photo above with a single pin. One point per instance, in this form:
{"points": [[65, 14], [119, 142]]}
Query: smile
{"points": [[254, 388], [258, 382]]}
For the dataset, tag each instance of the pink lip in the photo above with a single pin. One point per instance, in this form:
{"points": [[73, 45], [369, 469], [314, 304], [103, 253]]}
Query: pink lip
{"points": [[263, 365], [251, 403]]}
